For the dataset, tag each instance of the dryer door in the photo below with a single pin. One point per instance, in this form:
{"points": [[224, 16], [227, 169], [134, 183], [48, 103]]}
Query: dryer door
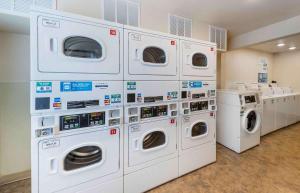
{"points": [[198, 60], [72, 160], [197, 130], [74, 47], [150, 141], [151, 55], [251, 121]]}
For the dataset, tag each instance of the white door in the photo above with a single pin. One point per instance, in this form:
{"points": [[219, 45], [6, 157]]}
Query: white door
{"points": [[197, 130], [251, 121], [198, 60], [68, 161], [151, 55], [74, 47], [268, 124], [280, 120], [150, 141]]}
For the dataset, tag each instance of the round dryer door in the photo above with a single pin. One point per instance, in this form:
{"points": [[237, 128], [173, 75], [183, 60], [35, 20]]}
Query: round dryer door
{"points": [[82, 157], [199, 130], [251, 121], [154, 139]]}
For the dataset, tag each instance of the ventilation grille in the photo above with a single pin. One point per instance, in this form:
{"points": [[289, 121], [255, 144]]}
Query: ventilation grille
{"points": [[219, 36], [122, 11], [24, 5], [180, 26]]}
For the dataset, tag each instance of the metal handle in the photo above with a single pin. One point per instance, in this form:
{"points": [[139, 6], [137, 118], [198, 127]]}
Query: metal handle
{"points": [[188, 59], [53, 45], [136, 54], [53, 166], [136, 144]]}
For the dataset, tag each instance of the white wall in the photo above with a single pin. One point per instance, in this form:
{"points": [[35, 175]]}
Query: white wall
{"points": [[287, 68], [242, 65], [153, 16], [14, 104]]}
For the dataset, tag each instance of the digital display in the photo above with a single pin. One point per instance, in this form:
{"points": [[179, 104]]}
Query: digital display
{"points": [[69, 122], [199, 106], [250, 99], [154, 111]]}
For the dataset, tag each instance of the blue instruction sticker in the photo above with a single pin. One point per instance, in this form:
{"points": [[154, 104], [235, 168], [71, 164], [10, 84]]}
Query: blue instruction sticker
{"points": [[75, 86], [43, 87], [195, 84]]}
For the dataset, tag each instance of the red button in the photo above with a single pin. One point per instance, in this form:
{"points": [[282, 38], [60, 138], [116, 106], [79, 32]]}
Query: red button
{"points": [[173, 42], [172, 121], [113, 132], [113, 32]]}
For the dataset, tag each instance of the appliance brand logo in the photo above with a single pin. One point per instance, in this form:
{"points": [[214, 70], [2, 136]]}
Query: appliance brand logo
{"points": [[195, 84], [75, 86]]}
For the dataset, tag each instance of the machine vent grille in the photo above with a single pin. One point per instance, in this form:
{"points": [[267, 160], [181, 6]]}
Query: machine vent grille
{"points": [[24, 5], [219, 36], [180, 26], [122, 11]]}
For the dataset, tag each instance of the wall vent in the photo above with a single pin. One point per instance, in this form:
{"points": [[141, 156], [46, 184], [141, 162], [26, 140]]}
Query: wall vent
{"points": [[122, 11], [24, 5], [219, 36], [180, 26]]}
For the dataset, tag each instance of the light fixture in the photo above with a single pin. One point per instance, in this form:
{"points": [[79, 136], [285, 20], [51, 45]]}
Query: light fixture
{"points": [[280, 44], [293, 48]]}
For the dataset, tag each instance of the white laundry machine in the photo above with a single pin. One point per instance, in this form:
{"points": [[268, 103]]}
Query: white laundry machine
{"points": [[239, 119], [197, 60], [65, 46], [197, 128], [77, 137], [150, 134], [150, 55]]}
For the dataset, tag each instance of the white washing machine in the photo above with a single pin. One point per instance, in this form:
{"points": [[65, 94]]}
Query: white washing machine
{"points": [[197, 60], [150, 134], [77, 136], [150, 55], [71, 47], [197, 128], [239, 119]]}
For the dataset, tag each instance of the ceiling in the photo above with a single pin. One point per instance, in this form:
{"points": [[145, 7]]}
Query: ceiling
{"points": [[238, 16], [271, 47]]}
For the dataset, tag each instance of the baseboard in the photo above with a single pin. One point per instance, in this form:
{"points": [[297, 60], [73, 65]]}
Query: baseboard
{"points": [[14, 177]]}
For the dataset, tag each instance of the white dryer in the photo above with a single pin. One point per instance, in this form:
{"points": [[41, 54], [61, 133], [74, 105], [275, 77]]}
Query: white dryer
{"points": [[150, 55], [197, 60], [77, 137], [239, 119], [71, 47], [150, 134], [197, 128]]}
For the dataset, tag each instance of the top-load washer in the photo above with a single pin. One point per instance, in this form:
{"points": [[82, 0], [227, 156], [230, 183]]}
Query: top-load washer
{"points": [[239, 119], [198, 60], [70, 47], [150, 55]]}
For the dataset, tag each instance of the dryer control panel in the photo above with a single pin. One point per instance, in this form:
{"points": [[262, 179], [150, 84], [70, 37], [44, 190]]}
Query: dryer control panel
{"points": [[147, 92], [55, 96], [59, 123], [197, 96]]}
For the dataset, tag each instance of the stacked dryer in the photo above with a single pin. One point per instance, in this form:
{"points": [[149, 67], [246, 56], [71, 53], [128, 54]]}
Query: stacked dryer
{"points": [[151, 94], [76, 104], [197, 120]]}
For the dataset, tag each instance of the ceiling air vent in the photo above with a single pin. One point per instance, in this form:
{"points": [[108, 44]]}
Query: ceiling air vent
{"points": [[24, 5], [122, 11], [180, 26], [219, 36]]}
